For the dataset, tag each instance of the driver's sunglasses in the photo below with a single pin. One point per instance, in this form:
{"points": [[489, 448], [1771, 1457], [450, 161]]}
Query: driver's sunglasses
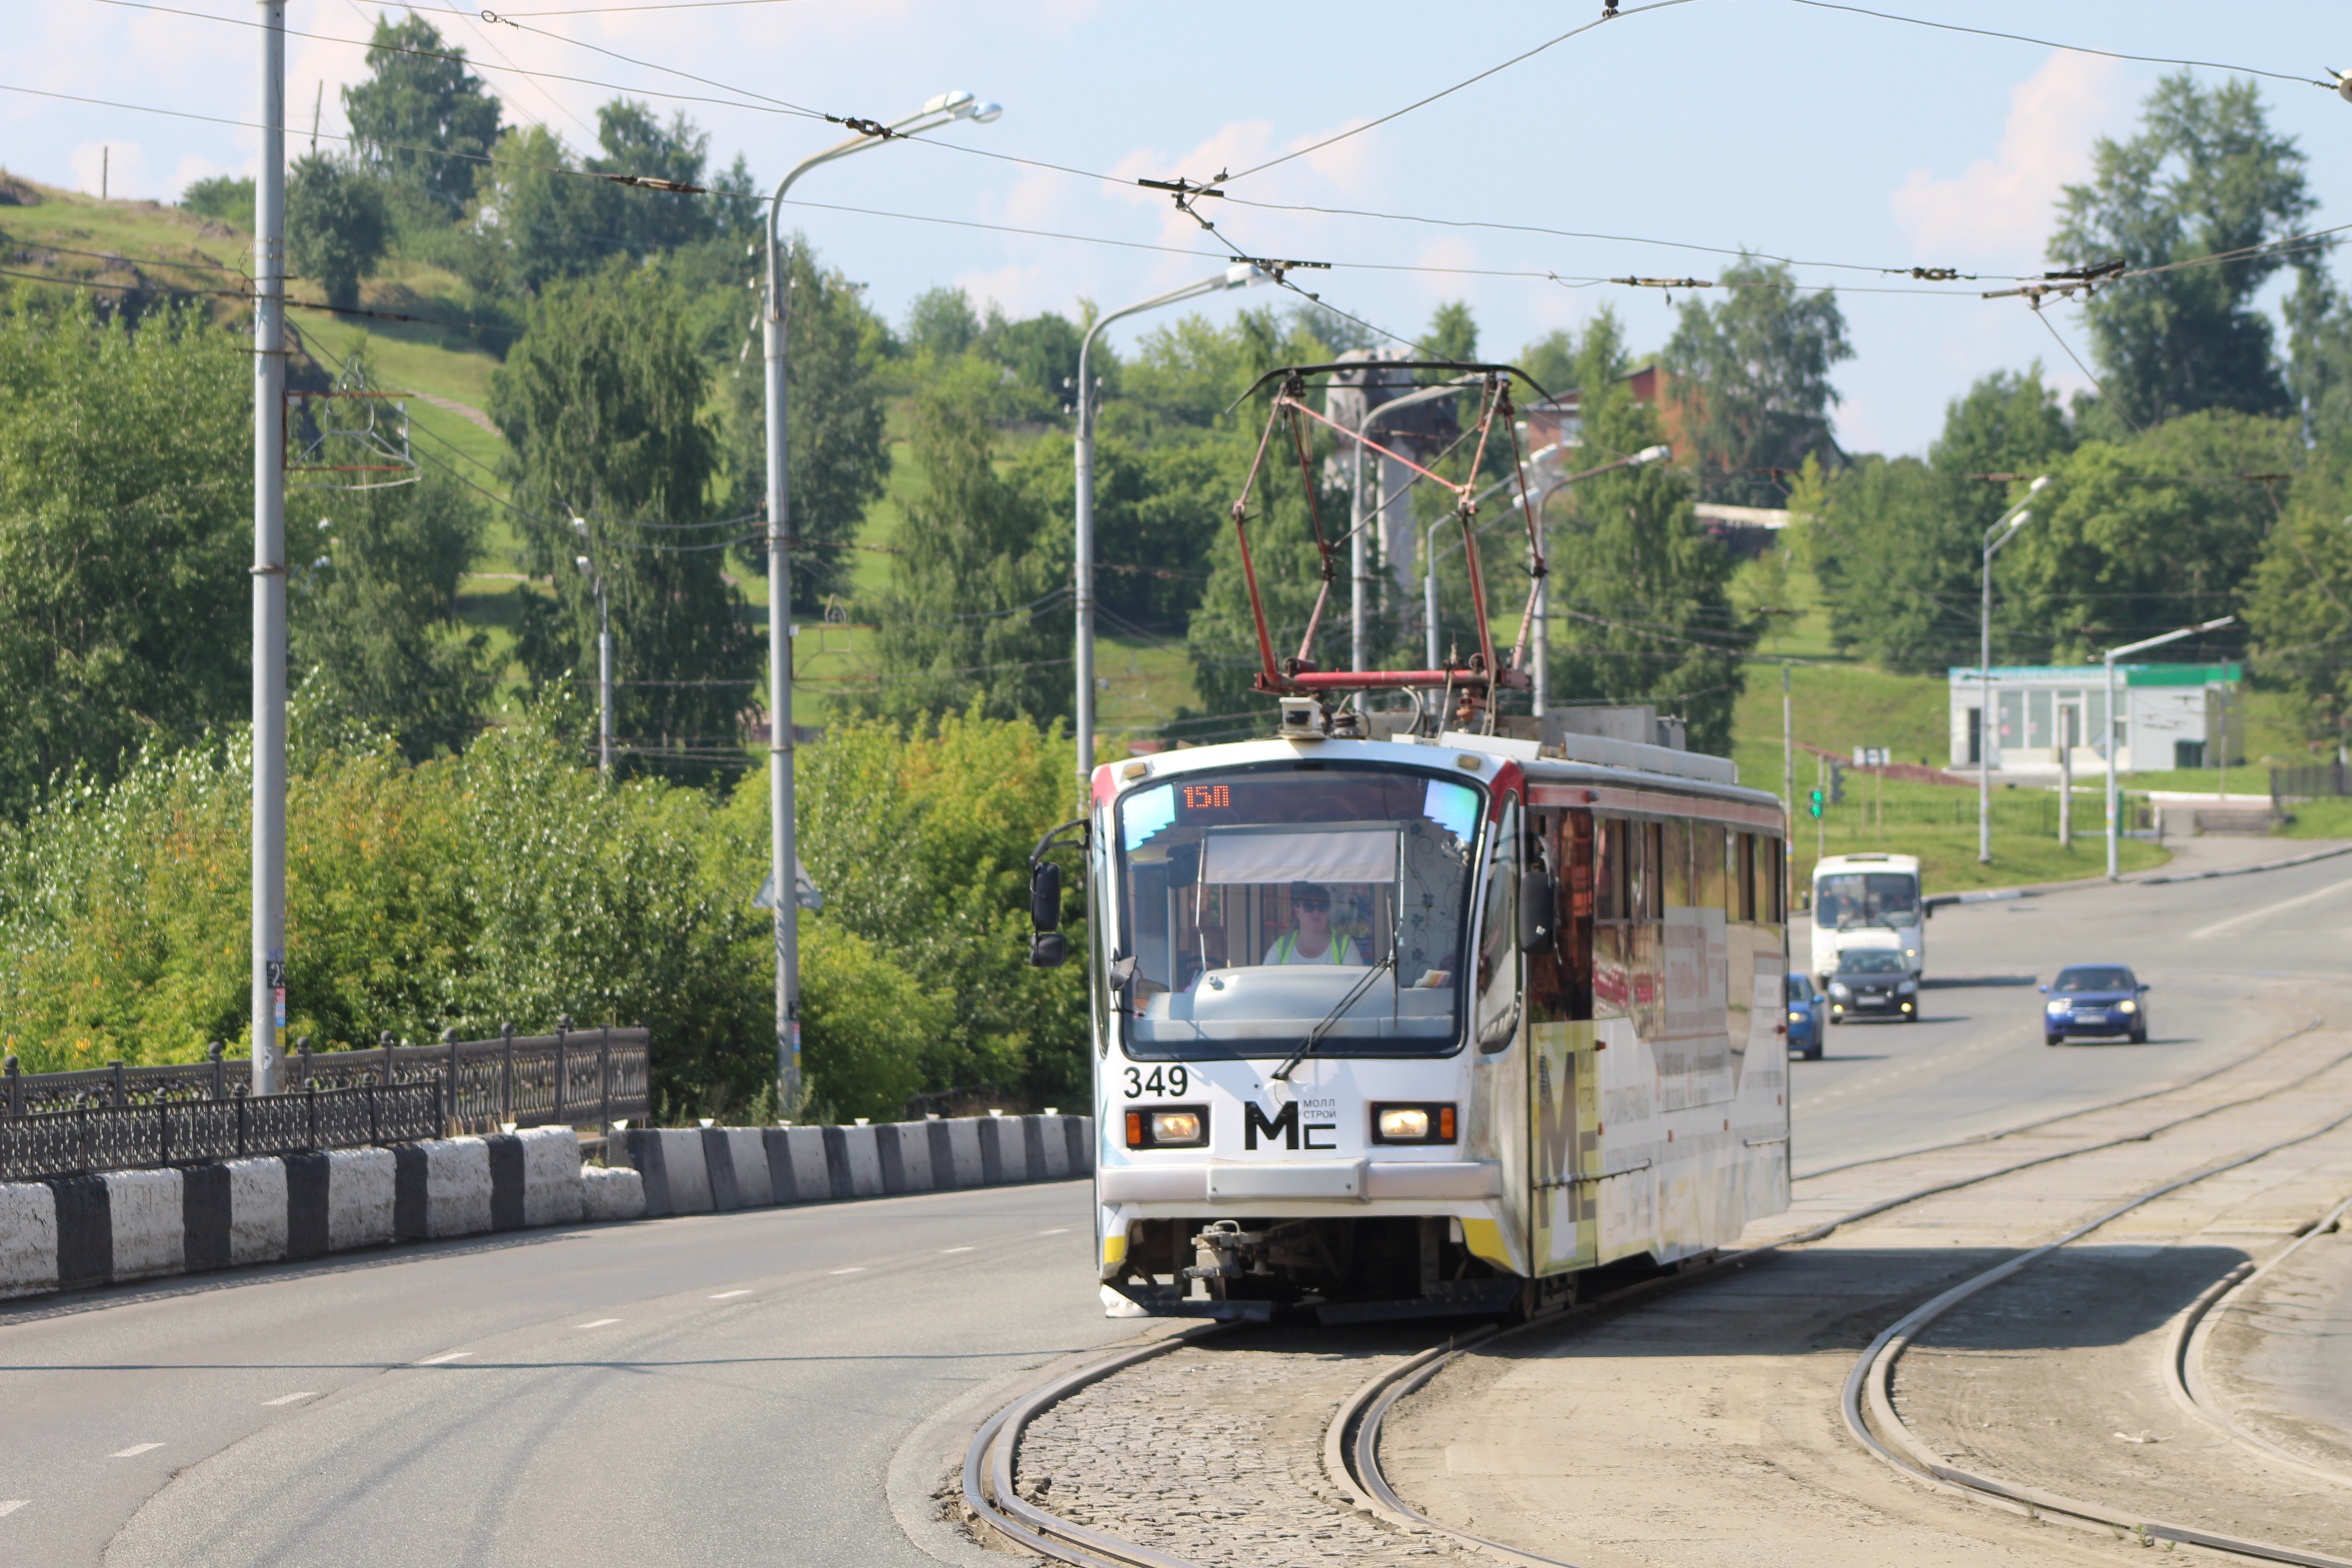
{"points": [[1316, 906]]}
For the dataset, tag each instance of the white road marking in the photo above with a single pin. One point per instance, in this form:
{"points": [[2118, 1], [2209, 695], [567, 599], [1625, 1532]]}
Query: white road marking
{"points": [[860, 1268], [2219, 926], [443, 1359], [12, 1505], [1058, 1230], [944, 1250], [134, 1451], [724, 1295], [597, 1324], [290, 1399]]}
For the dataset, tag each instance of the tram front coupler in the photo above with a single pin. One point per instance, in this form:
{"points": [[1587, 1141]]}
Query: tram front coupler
{"points": [[1226, 1252]]}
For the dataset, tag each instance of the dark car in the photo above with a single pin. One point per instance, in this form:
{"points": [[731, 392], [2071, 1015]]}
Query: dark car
{"points": [[2095, 999], [1806, 1018], [1872, 983]]}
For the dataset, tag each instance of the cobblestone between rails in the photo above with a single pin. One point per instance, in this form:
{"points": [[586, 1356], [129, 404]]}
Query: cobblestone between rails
{"points": [[1215, 1454]]}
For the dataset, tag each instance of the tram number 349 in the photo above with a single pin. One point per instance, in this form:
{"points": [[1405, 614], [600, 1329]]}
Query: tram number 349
{"points": [[1163, 1081]]}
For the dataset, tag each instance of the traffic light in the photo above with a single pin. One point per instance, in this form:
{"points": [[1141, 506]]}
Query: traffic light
{"points": [[1837, 783], [1816, 803]]}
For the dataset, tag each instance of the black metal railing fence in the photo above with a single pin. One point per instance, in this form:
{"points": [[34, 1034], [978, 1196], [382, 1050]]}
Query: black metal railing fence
{"points": [[120, 1117], [2312, 781]]}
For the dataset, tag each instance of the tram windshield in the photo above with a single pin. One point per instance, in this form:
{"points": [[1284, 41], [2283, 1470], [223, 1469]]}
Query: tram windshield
{"points": [[1263, 904], [1845, 900]]}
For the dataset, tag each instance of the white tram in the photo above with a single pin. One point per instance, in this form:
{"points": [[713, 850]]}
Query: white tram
{"points": [[1536, 1029], [1428, 1023]]}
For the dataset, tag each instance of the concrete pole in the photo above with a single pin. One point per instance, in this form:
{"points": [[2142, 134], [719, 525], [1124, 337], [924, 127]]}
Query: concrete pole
{"points": [[2115, 744], [1359, 552], [1787, 750], [2065, 777], [603, 687], [1984, 716], [269, 957], [783, 851]]}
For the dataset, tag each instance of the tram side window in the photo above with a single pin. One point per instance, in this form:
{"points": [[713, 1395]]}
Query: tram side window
{"points": [[1613, 992], [1499, 940], [1776, 882], [1707, 865], [1576, 854], [1744, 867]]}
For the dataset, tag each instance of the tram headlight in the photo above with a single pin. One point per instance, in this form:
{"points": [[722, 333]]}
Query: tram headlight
{"points": [[1168, 1127], [1413, 1123]]}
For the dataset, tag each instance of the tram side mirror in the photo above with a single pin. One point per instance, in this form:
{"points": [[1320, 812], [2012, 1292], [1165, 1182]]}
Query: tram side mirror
{"points": [[1184, 866], [1122, 974], [1045, 898], [1048, 948], [1539, 902]]}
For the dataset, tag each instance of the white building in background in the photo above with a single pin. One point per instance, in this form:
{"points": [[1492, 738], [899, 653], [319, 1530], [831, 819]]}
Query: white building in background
{"points": [[2169, 716]]}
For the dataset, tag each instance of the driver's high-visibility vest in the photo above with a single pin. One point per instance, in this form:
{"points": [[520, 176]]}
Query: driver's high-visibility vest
{"points": [[1285, 951]]}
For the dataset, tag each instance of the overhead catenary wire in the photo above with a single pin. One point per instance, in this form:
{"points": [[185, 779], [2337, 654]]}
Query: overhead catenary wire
{"points": [[2053, 43]]}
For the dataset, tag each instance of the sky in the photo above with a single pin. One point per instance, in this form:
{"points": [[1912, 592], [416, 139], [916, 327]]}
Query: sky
{"points": [[1846, 142]]}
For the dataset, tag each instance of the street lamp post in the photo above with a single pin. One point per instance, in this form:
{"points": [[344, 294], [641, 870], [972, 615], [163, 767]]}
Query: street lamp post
{"points": [[784, 861], [587, 565], [1240, 275], [2114, 731], [1998, 534]]}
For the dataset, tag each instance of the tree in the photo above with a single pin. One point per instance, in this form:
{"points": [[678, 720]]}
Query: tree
{"points": [[1896, 545], [2138, 536], [602, 399], [535, 220], [2204, 176], [2299, 602], [123, 606], [376, 643], [422, 117], [1751, 378], [941, 324], [838, 456], [221, 197], [973, 616], [335, 226], [1645, 590], [635, 143]]}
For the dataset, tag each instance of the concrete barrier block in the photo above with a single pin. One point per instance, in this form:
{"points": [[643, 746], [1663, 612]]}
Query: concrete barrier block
{"points": [[143, 1211], [1054, 1146], [551, 1194], [747, 1152], [1033, 1148], [360, 1189], [718, 1164], [256, 1210], [456, 1186], [812, 1175], [505, 1152], [29, 1240], [688, 1169], [1078, 1135], [609, 1193], [864, 1151], [204, 1217], [963, 1142], [906, 1145]]}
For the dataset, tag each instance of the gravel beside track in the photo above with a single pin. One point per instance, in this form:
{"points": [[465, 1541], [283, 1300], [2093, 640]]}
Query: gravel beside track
{"points": [[1215, 1452]]}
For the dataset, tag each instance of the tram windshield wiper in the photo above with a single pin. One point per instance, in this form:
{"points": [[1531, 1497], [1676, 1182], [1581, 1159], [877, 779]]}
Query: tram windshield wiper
{"points": [[1314, 1036]]}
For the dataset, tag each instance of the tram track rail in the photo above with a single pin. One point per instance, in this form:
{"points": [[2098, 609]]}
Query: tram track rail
{"points": [[1351, 1460]]}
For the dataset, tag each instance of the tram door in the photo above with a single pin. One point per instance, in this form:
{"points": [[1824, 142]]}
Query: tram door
{"points": [[1563, 1086]]}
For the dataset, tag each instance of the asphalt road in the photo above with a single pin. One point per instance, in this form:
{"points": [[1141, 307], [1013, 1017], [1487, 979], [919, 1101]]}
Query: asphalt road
{"points": [[2223, 958], [731, 1388], [708, 1389]]}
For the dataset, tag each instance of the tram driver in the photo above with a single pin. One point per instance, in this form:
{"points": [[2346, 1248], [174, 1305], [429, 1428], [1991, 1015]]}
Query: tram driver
{"points": [[1310, 939]]}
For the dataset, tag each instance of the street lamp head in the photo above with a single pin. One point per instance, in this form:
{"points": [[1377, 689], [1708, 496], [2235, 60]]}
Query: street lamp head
{"points": [[1246, 274], [582, 561], [958, 103], [580, 526], [987, 113], [1648, 455], [2038, 486]]}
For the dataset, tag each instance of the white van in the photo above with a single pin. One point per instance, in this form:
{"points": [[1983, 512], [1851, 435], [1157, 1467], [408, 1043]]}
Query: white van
{"points": [[1868, 900]]}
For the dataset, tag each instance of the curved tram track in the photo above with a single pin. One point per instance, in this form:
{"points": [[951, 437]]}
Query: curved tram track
{"points": [[1348, 1483]]}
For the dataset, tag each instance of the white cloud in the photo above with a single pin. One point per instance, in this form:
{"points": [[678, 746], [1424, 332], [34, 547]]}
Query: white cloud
{"points": [[1998, 211]]}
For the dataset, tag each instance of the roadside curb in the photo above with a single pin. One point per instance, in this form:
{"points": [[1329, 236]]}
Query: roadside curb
{"points": [[2082, 884], [2246, 870]]}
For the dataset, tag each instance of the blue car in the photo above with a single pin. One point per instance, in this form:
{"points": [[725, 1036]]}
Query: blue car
{"points": [[2095, 999], [1804, 1017]]}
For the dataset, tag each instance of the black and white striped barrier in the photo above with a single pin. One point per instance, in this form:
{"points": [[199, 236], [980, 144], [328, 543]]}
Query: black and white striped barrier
{"points": [[73, 1231], [698, 1169], [70, 1232]]}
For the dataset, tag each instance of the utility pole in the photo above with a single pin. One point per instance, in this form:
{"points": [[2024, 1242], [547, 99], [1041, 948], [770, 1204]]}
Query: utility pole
{"points": [[317, 102], [1788, 749], [2065, 777], [105, 167], [1998, 534], [587, 564], [269, 956]]}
